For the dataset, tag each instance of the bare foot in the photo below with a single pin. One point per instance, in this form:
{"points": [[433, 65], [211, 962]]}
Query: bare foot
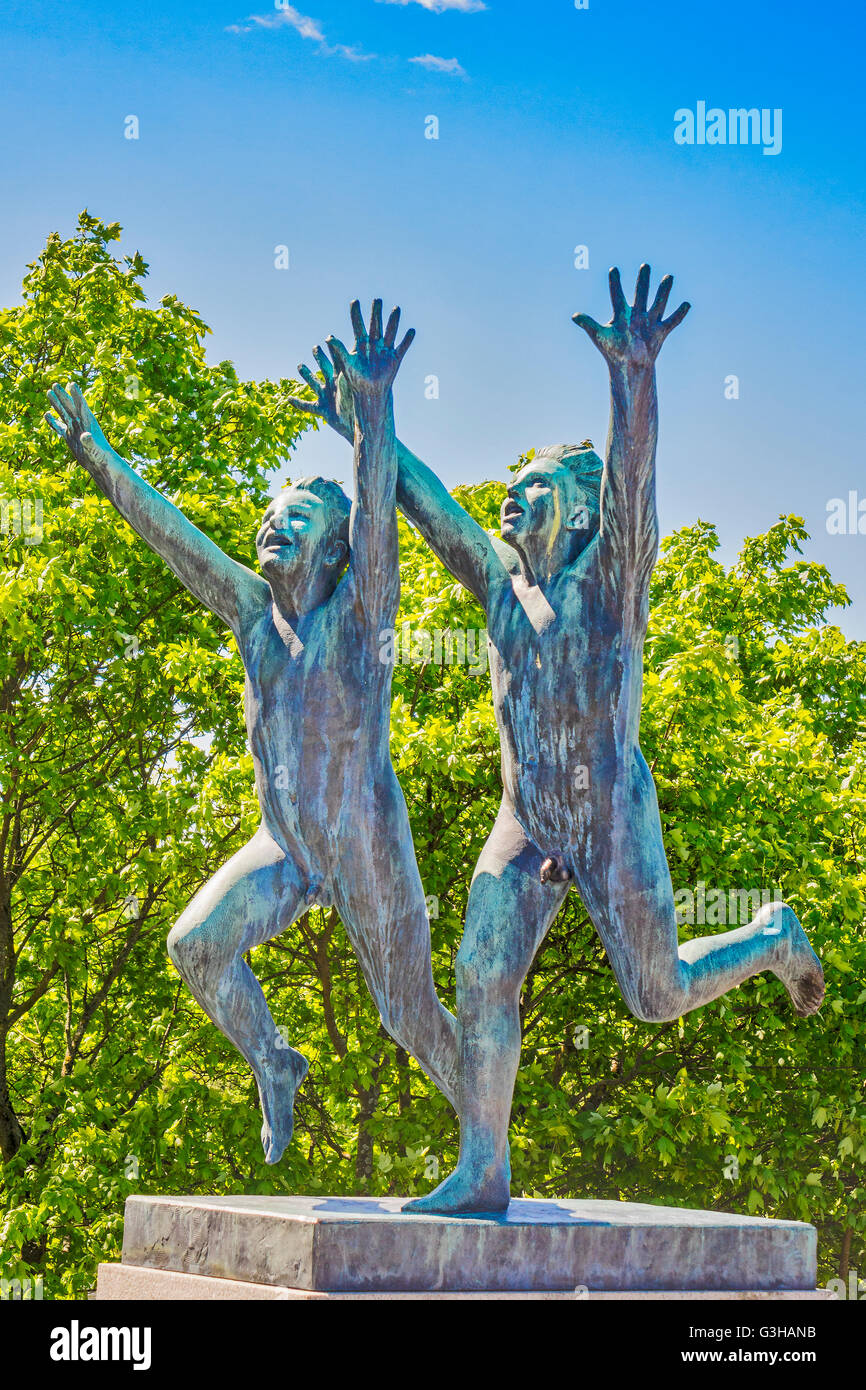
{"points": [[465, 1193], [802, 973], [277, 1096]]}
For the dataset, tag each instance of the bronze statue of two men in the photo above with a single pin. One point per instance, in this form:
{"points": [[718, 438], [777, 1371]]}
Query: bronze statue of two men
{"points": [[565, 589]]}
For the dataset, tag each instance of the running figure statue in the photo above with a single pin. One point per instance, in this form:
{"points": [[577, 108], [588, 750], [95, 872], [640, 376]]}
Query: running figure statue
{"points": [[334, 826], [565, 591]]}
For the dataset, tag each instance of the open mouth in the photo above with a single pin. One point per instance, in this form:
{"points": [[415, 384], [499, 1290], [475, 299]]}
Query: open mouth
{"points": [[511, 512]]}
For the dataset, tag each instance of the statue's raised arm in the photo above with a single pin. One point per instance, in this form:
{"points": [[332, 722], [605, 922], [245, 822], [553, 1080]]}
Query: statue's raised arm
{"points": [[453, 535], [223, 585], [630, 344], [456, 538], [368, 374]]}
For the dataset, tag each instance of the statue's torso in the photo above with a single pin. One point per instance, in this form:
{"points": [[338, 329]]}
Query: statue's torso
{"points": [[317, 708], [566, 691]]}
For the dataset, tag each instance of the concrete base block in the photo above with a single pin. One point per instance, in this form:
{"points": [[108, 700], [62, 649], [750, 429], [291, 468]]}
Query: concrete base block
{"points": [[367, 1245]]}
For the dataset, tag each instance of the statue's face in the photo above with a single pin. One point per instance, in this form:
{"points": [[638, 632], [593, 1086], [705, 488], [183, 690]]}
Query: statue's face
{"points": [[543, 499], [293, 534]]}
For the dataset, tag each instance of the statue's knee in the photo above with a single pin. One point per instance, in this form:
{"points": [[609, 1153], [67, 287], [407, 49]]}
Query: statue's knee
{"points": [[396, 1018], [467, 971], [174, 944], [488, 974], [652, 1004], [185, 948]]}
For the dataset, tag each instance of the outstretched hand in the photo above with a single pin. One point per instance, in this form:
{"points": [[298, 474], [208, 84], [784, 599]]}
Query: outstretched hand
{"points": [[368, 372], [79, 427], [635, 334], [333, 399]]}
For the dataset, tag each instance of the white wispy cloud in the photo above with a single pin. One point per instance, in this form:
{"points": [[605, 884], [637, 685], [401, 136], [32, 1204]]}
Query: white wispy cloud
{"points": [[449, 66], [440, 6], [344, 50], [288, 16]]}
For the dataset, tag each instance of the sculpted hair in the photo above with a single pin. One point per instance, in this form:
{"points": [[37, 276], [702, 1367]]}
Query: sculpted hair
{"points": [[339, 508], [582, 462]]}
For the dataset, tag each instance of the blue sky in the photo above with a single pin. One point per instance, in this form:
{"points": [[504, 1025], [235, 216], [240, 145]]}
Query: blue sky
{"points": [[305, 127]]}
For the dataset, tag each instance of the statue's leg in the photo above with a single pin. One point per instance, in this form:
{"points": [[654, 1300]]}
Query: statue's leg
{"points": [[380, 898], [255, 896], [626, 884], [509, 912]]}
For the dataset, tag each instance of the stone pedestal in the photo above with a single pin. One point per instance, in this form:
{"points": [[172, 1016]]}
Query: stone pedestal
{"points": [[329, 1247]]}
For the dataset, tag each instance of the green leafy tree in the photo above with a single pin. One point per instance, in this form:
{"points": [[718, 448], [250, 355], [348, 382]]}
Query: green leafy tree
{"points": [[119, 702], [126, 781]]}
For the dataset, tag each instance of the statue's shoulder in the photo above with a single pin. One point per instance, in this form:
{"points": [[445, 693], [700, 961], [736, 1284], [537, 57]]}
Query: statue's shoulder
{"points": [[353, 611], [507, 556], [252, 615], [591, 580], [588, 564]]}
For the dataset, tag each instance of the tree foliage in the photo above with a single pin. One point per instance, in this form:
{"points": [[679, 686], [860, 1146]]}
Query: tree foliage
{"points": [[126, 781]]}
